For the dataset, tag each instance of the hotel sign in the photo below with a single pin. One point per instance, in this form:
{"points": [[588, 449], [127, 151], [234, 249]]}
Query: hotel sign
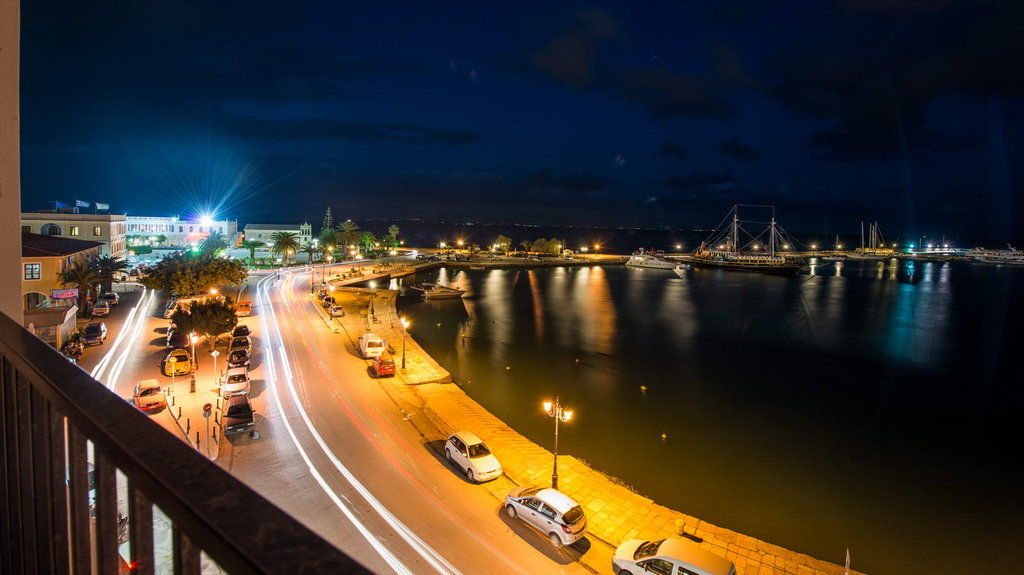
{"points": [[64, 293]]}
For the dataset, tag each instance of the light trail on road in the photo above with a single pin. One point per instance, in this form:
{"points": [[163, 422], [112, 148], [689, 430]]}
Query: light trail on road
{"points": [[122, 335], [425, 551]]}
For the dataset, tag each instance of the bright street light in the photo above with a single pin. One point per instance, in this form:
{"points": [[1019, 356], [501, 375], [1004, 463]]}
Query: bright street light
{"points": [[405, 331], [560, 414], [213, 291]]}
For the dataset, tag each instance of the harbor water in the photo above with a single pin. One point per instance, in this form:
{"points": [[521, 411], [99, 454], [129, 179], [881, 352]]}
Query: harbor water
{"points": [[875, 406]]}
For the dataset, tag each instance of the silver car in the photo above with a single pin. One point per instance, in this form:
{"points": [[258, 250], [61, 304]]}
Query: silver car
{"points": [[549, 511]]}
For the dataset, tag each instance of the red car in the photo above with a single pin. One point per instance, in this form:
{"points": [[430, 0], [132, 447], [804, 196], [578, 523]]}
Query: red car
{"points": [[383, 367]]}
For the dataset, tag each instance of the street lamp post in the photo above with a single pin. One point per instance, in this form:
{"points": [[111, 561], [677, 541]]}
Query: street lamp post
{"points": [[405, 332], [192, 337], [559, 413]]}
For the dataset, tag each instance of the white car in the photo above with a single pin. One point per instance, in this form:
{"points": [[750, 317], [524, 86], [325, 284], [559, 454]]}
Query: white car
{"points": [[668, 557], [469, 453], [101, 309], [236, 382], [549, 511], [371, 345]]}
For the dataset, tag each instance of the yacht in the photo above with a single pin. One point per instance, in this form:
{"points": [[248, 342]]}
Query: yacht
{"points": [[681, 269], [1010, 256], [650, 259], [438, 291]]}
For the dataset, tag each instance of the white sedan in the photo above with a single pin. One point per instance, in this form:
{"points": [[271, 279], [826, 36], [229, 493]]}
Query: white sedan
{"points": [[469, 453], [668, 557]]}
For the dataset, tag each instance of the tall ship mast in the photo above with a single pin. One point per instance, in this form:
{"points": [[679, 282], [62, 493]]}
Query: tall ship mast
{"points": [[875, 248], [735, 247]]}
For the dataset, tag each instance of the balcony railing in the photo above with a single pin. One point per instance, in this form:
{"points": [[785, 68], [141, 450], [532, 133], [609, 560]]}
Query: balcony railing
{"points": [[50, 410]]}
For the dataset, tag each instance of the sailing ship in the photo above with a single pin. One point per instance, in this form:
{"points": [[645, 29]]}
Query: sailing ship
{"points": [[438, 291], [650, 259], [727, 249], [875, 248]]}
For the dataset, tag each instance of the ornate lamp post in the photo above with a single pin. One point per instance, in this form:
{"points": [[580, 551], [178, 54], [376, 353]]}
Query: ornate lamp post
{"points": [[193, 338], [559, 413]]}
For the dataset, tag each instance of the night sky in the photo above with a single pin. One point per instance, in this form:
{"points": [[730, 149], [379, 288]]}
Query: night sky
{"points": [[905, 111]]}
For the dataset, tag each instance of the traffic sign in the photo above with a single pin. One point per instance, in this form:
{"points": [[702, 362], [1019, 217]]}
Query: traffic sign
{"points": [[207, 409], [214, 353]]}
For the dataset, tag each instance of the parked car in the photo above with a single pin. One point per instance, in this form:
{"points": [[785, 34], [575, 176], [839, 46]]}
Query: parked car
{"points": [[238, 415], [94, 334], [241, 342], [549, 511], [469, 453], [328, 301], [236, 382], [101, 309], [177, 340], [336, 311], [149, 395], [243, 309], [668, 556], [239, 358], [181, 364], [370, 345], [111, 298], [241, 330], [383, 366]]}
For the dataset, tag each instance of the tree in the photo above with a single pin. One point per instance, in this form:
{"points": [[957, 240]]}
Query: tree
{"points": [[328, 223], [349, 232], [502, 243], [310, 250], [328, 238], [213, 243], [525, 245], [185, 275], [391, 240], [367, 241], [85, 276], [108, 267], [211, 317], [285, 243], [252, 246]]}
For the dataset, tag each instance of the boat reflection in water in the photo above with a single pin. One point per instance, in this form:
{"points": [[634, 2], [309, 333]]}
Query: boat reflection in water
{"points": [[868, 394]]}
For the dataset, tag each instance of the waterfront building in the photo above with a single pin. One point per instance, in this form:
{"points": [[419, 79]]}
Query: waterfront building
{"points": [[109, 229], [49, 308], [172, 231], [265, 232]]}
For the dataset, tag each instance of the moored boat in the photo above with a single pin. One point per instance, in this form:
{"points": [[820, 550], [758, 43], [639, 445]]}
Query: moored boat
{"points": [[650, 259], [726, 249], [1009, 256], [438, 291]]}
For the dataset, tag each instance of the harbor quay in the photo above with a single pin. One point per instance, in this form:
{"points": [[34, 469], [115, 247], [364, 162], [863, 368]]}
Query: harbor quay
{"points": [[438, 407]]}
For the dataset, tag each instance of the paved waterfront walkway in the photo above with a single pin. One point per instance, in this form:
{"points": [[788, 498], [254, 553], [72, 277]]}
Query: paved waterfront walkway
{"points": [[615, 513]]}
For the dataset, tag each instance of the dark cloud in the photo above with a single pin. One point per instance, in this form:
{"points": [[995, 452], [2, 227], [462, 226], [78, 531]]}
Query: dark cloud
{"points": [[580, 58], [674, 151], [698, 180], [571, 183], [871, 77], [303, 129], [742, 152]]}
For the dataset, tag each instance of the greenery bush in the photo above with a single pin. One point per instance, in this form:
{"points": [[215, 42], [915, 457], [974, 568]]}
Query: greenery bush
{"points": [[190, 274], [210, 317]]}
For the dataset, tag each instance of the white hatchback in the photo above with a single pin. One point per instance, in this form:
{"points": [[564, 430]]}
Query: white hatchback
{"points": [[549, 511], [236, 382], [469, 453], [667, 557]]}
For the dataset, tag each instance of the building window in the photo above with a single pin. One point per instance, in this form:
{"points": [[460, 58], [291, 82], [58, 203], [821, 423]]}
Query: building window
{"points": [[33, 271], [74, 230], [97, 231], [50, 230], [26, 229]]}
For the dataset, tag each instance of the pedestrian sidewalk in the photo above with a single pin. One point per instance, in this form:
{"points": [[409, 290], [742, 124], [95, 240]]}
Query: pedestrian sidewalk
{"points": [[614, 512], [203, 433]]}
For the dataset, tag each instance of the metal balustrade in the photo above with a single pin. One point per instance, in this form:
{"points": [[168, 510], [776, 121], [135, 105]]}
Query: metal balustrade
{"points": [[49, 412]]}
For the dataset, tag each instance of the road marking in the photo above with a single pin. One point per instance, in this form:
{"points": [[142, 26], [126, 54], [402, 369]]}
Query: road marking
{"points": [[380, 547]]}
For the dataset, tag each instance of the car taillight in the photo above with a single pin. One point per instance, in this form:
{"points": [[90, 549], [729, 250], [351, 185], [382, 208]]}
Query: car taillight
{"points": [[566, 529]]}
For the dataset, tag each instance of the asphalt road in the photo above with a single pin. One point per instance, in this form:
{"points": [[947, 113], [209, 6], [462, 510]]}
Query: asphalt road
{"points": [[340, 454]]}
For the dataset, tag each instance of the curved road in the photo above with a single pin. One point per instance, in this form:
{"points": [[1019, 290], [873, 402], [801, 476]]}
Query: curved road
{"points": [[343, 454]]}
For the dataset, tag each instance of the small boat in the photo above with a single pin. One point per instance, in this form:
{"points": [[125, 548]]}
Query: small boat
{"points": [[681, 270], [438, 291], [475, 267], [650, 259], [1010, 256]]}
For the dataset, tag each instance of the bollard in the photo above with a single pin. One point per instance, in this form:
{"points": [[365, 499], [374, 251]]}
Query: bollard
{"points": [[215, 418], [192, 387], [197, 440], [172, 401], [188, 424], [179, 412]]}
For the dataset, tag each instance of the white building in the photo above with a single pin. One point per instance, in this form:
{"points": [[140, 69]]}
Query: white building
{"points": [[106, 228], [179, 232], [265, 232]]}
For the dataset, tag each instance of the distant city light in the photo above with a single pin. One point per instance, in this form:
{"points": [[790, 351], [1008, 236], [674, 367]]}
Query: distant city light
{"points": [[814, 246], [679, 246], [442, 245]]}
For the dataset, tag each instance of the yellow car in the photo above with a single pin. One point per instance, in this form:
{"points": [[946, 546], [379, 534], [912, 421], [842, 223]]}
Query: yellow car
{"points": [[177, 362]]}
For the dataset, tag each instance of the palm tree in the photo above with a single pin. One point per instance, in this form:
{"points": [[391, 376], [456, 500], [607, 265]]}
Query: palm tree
{"points": [[285, 243], [252, 246], [213, 243], [391, 240], [310, 250], [367, 241], [108, 267], [349, 232], [85, 275], [328, 237]]}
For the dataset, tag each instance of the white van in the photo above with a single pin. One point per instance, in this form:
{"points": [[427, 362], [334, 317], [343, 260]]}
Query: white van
{"points": [[371, 345]]}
